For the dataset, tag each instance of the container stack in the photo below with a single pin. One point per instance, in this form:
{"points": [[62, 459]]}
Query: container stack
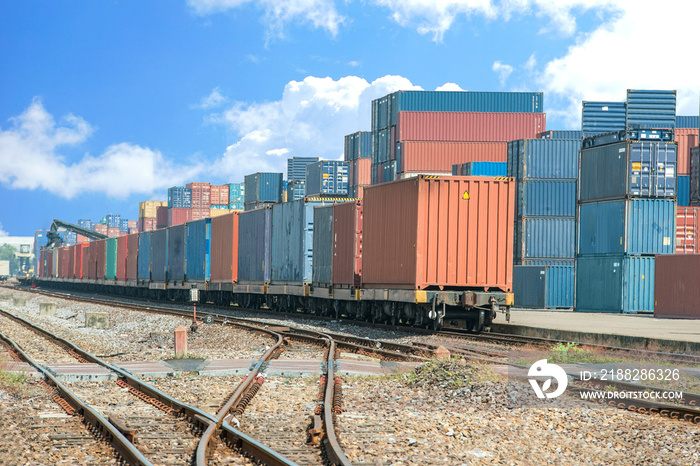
{"points": [[545, 171], [327, 178], [296, 190], [162, 216], [427, 132], [113, 221], [626, 213], [262, 189], [480, 169], [358, 153], [148, 213], [201, 200], [101, 228], [220, 197], [686, 135], [236, 196]]}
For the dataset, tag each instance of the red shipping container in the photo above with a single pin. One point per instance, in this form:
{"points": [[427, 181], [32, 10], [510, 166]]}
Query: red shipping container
{"points": [[81, 251], [100, 228], [198, 185], [359, 192], [438, 157], [427, 232], [86, 259], [82, 239], [133, 231], [49, 262], [468, 126], [687, 224], [198, 214], [64, 262], [219, 194], [178, 216], [113, 232], [347, 244], [121, 257], [686, 138], [147, 224], [132, 256], [71, 261], [133, 224], [161, 217], [362, 172], [224, 247], [676, 290], [100, 258]]}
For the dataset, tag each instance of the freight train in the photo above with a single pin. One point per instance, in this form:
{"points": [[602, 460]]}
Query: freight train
{"points": [[422, 251]]}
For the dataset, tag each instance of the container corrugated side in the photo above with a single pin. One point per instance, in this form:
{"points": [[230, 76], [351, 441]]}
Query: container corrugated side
{"points": [[468, 126], [687, 230], [543, 158], [481, 169], [89, 262], [602, 117], [683, 195], [132, 257], [121, 257], [561, 134], [436, 156], [176, 253], [159, 255], [198, 250], [451, 231], [347, 244], [676, 290], [544, 238], [650, 108], [634, 226], [224, 244], [254, 245], [263, 187], [615, 283], [100, 256], [546, 198], [362, 172], [327, 178], [685, 138], [687, 121], [695, 174], [144, 258], [544, 287], [628, 168], [322, 262]]}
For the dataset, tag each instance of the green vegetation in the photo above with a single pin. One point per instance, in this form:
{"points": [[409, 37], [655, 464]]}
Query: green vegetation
{"points": [[12, 382], [451, 373]]}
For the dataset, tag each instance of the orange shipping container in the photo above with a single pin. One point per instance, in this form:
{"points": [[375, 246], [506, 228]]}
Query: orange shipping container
{"points": [[132, 256], [686, 138], [687, 224], [224, 247], [347, 244], [438, 157], [439, 232], [122, 243]]}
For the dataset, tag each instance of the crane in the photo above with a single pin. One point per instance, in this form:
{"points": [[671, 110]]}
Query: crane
{"points": [[54, 240]]}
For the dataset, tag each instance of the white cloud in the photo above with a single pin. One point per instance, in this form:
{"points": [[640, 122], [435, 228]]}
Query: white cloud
{"points": [[321, 14], [214, 99], [310, 119], [30, 154], [502, 70], [2, 231], [449, 87]]}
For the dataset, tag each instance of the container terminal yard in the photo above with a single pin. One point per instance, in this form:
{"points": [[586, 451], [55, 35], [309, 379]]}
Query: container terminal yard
{"points": [[462, 277]]}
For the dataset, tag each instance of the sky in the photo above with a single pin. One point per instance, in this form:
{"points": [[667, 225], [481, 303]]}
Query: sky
{"points": [[104, 104]]}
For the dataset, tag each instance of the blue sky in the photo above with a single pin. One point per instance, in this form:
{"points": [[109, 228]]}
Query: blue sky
{"points": [[107, 103]]}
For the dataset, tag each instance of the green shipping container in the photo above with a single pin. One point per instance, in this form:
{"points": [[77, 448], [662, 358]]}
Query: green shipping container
{"points": [[111, 259]]}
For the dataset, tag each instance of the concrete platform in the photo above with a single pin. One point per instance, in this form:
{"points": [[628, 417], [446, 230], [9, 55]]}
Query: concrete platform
{"points": [[628, 330]]}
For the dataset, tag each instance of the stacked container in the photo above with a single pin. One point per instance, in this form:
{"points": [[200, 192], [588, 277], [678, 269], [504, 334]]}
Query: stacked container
{"points": [[262, 189], [358, 152], [236, 196], [201, 200], [428, 132], [626, 214], [100, 228], [686, 135], [148, 213], [113, 220], [480, 169], [545, 171], [296, 190], [327, 178], [220, 196]]}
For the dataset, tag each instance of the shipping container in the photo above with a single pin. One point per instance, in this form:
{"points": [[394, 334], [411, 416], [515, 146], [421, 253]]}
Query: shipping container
{"points": [[100, 256], [201, 195], [100, 228], [468, 126], [147, 209], [546, 198], [628, 169], [111, 259], [480, 169], [687, 226], [615, 283], [178, 216], [159, 255], [543, 287], [685, 138], [113, 220], [144, 256], [544, 238], [694, 175], [347, 244], [543, 158], [124, 225], [89, 265], [683, 195], [236, 193], [179, 197], [322, 250], [63, 262], [162, 217], [561, 134], [436, 156], [50, 263], [257, 205], [361, 170], [602, 117], [132, 256], [358, 145], [176, 253], [122, 245], [219, 194], [633, 226], [224, 243], [254, 245], [327, 178], [113, 232], [263, 187], [199, 213], [683, 121], [676, 290], [447, 232], [78, 260], [296, 168], [147, 224], [197, 255], [650, 109]]}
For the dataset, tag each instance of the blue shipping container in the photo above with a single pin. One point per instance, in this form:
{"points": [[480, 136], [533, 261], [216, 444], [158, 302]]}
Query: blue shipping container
{"points": [[327, 178], [114, 221], [480, 169], [544, 287], [159, 255], [176, 253], [236, 193], [615, 283], [179, 197], [546, 198], [687, 121], [198, 250], [322, 260], [629, 168], [634, 226], [144, 257], [561, 134], [254, 246], [602, 117], [263, 187], [358, 145], [544, 238], [650, 109], [543, 158], [683, 190]]}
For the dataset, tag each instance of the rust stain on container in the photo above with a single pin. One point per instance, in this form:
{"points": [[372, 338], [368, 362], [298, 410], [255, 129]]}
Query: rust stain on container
{"points": [[347, 244], [676, 292], [224, 246], [439, 233]]}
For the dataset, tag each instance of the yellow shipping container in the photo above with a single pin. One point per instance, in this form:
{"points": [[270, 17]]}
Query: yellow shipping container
{"points": [[218, 212], [147, 209]]}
